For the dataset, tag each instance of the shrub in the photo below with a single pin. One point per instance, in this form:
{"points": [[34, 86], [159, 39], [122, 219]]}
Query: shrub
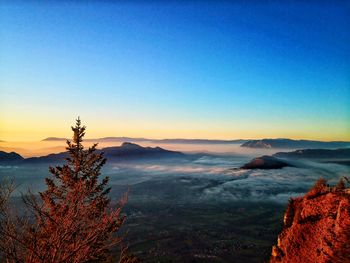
{"points": [[341, 185], [318, 188]]}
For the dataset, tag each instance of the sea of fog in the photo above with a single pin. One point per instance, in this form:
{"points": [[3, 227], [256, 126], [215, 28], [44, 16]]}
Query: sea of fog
{"points": [[208, 173], [197, 205]]}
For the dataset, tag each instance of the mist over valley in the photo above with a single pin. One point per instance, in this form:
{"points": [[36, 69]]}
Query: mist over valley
{"points": [[190, 184]]}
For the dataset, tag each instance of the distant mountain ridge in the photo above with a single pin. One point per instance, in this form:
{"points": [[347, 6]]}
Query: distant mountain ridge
{"points": [[282, 159], [130, 139], [103, 139], [48, 139], [263, 143], [126, 150], [10, 158], [342, 153], [293, 144]]}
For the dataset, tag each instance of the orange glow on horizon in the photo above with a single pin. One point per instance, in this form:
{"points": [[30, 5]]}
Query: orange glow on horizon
{"points": [[30, 130]]}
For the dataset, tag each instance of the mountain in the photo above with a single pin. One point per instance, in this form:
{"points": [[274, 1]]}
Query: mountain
{"points": [[53, 139], [293, 144], [199, 141], [316, 227], [280, 159], [10, 158], [104, 139], [126, 151], [129, 139], [342, 153], [53, 158], [266, 162]]}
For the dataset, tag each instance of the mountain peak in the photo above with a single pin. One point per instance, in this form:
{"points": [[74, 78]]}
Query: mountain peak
{"points": [[54, 139], [10, 157], [130, 145]]}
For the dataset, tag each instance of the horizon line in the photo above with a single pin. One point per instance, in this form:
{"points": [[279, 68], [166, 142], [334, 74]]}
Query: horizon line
{"points": [[53, 138]]}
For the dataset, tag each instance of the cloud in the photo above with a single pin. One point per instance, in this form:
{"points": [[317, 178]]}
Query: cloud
{"points": [[206, 178], [271, 185]]}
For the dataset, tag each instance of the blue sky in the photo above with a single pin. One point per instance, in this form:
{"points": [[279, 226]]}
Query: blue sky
{"points": [[176, 69]]}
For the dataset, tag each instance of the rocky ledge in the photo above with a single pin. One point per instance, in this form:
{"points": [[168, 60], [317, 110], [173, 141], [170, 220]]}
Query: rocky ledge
{"points": [[316, 227]]}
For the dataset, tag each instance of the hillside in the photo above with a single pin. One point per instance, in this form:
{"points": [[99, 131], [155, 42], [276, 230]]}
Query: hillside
{"points": [[316, 227]]}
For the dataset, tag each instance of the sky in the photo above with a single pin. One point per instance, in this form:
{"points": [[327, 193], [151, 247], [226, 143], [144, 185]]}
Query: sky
{"points": [[168, 69]]}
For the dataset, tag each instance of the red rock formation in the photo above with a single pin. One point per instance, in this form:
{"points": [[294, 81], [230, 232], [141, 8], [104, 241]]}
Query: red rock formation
{"points": [[316, 228]]}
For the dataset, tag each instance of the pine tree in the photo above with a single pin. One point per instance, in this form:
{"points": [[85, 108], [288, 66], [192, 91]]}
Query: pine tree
{"points": [[74, 220]]}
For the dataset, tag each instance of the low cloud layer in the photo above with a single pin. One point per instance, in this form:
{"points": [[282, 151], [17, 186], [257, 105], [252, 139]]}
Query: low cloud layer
{"points": [[216, 178], [200, 179]]}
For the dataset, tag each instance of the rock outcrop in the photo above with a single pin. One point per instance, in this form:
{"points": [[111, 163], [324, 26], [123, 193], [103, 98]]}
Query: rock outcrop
{"points": [[316, 227]]}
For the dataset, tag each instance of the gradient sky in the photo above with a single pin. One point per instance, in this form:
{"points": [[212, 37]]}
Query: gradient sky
{"points": [[165, 70]]}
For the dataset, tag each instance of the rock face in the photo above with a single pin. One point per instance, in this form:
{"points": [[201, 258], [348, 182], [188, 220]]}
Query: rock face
{"points": [[316, 228], [266, 162]]}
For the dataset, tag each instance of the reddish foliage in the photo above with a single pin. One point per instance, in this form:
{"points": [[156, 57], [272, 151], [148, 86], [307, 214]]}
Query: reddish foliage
{"points": [[316, 229], [75, 221]]}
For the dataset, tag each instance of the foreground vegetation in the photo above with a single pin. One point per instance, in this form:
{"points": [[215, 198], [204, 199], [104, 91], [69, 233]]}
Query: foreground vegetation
{"points": [[72, 221]]}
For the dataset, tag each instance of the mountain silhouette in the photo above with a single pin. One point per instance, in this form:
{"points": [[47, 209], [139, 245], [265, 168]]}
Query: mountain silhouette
{"points": [[126, 151], [130, 139], [342, 153], [293, 144], [266, 162], [10, 158]]}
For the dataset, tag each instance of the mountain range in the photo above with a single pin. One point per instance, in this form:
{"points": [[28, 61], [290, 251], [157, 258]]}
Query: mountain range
{"points": [[263, 143], [342, 153], [130, 139], [294, 144], [126, 151], [280, 160]]}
